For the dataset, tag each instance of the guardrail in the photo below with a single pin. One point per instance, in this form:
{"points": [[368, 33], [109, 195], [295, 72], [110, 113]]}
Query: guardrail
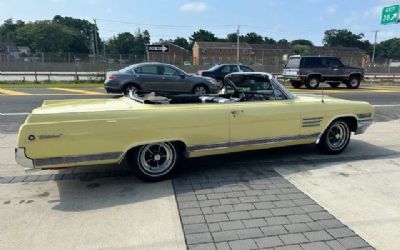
{"points": [[99, 76]]}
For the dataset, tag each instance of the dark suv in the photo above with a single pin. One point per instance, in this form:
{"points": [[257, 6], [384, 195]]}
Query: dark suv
{"points": [[311, 70]]}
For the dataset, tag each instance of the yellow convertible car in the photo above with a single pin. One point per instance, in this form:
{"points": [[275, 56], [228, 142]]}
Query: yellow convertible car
{"points": [[153, 132]]}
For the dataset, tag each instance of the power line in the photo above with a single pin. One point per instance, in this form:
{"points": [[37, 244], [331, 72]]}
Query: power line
{"points": [[166, 25]]}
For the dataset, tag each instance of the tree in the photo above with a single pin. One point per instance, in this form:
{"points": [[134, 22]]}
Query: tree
{"points": [[345, 38], [203, 36], [268, 40], [302, 42], [45, 36], [127, 43], [253, 37], [283, 42], [8, 30], [182, 42], [389, 49], [83, 27], [302, 50]]}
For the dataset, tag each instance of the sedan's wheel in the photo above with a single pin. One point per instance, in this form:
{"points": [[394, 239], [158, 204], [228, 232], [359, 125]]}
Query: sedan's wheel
{"points": [[155, 162], [200, 90], [129, 88], [312, 82], [336, 137], [354, 82]]}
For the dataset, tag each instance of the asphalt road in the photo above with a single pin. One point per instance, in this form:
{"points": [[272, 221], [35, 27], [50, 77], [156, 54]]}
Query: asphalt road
{"points": [[16, 103]]}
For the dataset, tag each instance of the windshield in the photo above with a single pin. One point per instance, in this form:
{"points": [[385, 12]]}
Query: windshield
{"points": [[293, 63], [214, 67]]}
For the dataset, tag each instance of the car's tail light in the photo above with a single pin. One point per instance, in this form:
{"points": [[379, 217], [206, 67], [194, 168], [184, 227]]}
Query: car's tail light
{"points": [[112, 77]]}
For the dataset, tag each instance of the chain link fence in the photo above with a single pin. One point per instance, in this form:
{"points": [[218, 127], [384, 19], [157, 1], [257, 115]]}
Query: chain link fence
{"points": [[269, 61]]}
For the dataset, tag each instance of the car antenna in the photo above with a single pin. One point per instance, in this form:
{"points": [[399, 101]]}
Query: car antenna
{"points": [[322, 95]]}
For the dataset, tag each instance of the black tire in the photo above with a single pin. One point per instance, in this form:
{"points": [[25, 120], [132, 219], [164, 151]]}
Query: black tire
{"points": [[334, 85], [196, 89], [353, 82], [335, 138], [296, 84], [147, 162], [313, 82]]}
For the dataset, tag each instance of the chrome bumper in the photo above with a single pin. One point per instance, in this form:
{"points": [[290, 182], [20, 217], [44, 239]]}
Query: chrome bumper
{"points": [[23, 160], [363, 124]]}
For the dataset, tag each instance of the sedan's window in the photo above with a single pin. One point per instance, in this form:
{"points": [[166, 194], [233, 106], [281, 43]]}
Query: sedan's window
{"points": [[226, 69], [148, 69], [246, 69], [169, 71]]}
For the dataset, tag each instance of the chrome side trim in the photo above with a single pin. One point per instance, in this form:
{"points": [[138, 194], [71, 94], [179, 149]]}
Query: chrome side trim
{"points": [[76, 159], [252, 142], [312, 122]]}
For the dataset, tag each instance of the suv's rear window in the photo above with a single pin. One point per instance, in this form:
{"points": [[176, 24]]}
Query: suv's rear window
{"points": [[293, 63], [312, 62]]}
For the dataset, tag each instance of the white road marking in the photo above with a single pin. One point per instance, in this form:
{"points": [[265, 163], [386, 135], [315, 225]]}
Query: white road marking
{"points": [[387, 105], [13, 114]]}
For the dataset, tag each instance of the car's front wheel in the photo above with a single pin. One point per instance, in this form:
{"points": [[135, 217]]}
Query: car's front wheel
{"points": [[200, 90], [312, 82], [335, 138], [156, 161]]}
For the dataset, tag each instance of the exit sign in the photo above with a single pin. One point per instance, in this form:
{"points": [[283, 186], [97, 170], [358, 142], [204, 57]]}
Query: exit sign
{"points": [[390, 14]]}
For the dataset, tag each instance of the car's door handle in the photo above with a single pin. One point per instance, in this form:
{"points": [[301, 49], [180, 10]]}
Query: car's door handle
{"points": [[163, 77], [236, 112], [335, 69]]}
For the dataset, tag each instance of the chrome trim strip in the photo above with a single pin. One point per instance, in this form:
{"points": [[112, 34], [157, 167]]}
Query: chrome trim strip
{"points": [[252, 142], [76, 159]]}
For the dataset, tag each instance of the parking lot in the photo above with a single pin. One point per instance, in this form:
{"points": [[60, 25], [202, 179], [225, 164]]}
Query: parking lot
{"points": [[290, 198]]}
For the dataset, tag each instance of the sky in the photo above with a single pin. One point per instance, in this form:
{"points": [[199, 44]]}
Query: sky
{"points": [[167, 19]]}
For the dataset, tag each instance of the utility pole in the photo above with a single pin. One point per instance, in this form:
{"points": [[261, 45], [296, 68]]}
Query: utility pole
{"points": [[237, 44], [373, 53], [96, 47]]}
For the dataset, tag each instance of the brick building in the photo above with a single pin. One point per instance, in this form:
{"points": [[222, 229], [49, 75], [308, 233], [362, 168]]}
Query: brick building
{"points": [[264, 54], [175, 55]]}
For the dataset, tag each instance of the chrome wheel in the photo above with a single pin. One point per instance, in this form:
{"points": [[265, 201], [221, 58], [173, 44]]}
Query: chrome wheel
{"points": [[314, 83], [130, 89], [156, 159], [338, 136], [200, 90], [354, 82]]}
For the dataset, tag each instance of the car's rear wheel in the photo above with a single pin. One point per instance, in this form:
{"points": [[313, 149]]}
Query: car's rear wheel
{"points": [[129, 88], [312, 82], [334, 84], [335, 138], [156, 161], [221, 83], [296, 84], [200, 90], [353, 82]]}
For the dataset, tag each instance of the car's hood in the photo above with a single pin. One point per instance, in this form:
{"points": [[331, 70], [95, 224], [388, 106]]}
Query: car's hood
{"points": [[200, 77], [82, 105]]}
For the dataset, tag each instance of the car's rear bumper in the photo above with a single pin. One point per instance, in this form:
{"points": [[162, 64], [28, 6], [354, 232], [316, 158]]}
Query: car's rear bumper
{"points": [[23, 160], [112, 90]]}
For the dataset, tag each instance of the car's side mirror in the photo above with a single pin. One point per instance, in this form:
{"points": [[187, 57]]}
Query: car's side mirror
{"points": [[182, 76]]}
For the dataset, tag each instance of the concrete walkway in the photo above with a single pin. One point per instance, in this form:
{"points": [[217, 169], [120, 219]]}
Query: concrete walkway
{"points": [[362, 194]]}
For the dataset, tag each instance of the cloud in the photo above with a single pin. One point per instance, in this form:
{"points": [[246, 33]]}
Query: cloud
{"points": [[194, 7], [331, 9]]}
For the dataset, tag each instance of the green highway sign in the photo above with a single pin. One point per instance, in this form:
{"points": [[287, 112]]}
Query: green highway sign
{"points": [[390, 14]]}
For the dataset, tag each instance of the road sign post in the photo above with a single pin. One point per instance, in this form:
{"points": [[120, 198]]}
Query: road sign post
{"points": [[390, 14]]}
